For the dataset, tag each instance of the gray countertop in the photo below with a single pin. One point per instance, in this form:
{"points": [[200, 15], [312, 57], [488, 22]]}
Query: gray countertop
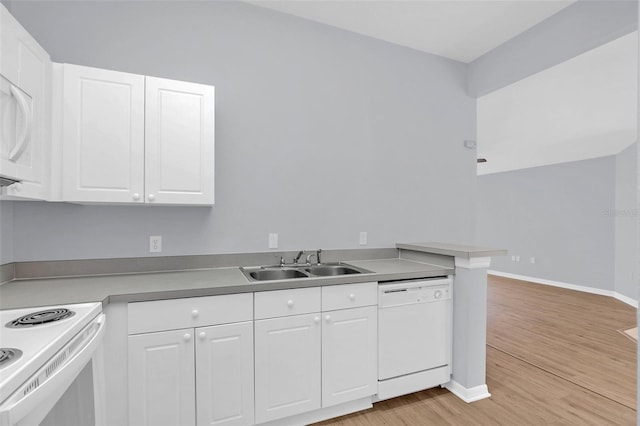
{"points": [[189, 283], [456, 250]]}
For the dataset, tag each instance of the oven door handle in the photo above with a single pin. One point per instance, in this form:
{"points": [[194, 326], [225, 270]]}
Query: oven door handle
{"points": [[32, 407]]}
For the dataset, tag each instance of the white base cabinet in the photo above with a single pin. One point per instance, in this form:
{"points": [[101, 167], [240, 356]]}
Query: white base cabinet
{"points": [[325, 357], [162, 378], [349, 371], [274, 357], [201, 375], [288, 366], [224, 380]]}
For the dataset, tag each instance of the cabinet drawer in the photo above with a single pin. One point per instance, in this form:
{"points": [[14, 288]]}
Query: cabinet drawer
{"points": [[349, 296], [172, 314], [280, 303]]}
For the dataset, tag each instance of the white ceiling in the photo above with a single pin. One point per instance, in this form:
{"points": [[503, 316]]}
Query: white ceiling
{"points": [[583, 108], [457, 29]]}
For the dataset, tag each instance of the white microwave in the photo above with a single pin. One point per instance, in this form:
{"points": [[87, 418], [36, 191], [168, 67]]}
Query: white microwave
{"points": [[25, 112], [16, 128]]}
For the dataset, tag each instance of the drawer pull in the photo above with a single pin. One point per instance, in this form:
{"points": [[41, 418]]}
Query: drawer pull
{"points": [[195, 314], [290, 303], [352, 296]]}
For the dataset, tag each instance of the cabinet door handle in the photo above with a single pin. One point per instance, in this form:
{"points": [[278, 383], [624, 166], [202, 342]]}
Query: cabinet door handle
{"points": [[186, 337], [151, 197], [328, 318], [316, 320], [136, 196], [290, 303], [25, 131], [202, 335]]}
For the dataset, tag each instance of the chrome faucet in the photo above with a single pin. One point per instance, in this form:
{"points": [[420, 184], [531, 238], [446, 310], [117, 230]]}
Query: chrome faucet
{"points": [[298, 256], [317, 253]]}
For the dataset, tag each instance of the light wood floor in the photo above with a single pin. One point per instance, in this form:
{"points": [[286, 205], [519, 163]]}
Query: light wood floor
{"points": [[554, 357]]}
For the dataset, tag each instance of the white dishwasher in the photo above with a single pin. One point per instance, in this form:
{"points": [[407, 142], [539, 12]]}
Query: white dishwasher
{"points": [[414, 335]]}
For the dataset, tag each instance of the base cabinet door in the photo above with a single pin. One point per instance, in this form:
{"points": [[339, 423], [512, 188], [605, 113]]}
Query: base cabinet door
{"points": [[287, 366], [162, 378], [349, 355], [224, 380]]}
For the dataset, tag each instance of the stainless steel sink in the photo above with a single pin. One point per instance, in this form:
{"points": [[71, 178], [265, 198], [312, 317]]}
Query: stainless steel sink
{"points": [[269, 273], [276, 274], [332, 270]]}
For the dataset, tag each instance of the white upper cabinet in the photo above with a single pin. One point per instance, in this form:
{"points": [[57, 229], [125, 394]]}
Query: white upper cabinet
{"points": [[25, 110], [103, 142], [179, 142], [133, 139]]}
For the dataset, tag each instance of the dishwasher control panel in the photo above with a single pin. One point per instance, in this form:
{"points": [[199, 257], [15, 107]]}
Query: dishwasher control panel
{"points": [[418, 291]]}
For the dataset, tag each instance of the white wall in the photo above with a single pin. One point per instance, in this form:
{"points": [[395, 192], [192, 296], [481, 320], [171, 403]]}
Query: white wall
{"points": [[582, 108], [320, 133], [625, 222], [559, 214]]}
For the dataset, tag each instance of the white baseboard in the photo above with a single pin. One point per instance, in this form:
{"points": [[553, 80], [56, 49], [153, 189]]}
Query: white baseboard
{"points": [[473, 394], [585, 289]]}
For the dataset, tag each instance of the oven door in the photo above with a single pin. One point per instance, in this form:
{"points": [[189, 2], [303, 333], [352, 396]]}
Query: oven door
{"points": [[57, 393]]}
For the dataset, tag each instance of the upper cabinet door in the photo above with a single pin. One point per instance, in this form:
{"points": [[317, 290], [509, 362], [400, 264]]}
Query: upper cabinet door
{"points": [[103, 136], [179, 159]]}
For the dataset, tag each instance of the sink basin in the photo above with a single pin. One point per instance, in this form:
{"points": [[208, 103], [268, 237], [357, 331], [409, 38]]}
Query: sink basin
{"points": [[268, 273], [331, 270], [276, 274]]}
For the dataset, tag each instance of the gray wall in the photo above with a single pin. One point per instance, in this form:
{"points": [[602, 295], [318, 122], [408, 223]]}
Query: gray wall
{"points": [[320, 133], [583, 26], [6, 232], [558, 214], [625, 223]]}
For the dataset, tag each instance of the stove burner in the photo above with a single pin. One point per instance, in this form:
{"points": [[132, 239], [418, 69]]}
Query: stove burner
{"points": [[41, 317], [8, 355]]}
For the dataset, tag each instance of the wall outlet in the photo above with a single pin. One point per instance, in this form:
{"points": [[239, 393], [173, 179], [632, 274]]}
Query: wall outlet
{"points": [[517, 258], [155, 244], [273, 241], [513, 258], [363, 238], [532, 260]]}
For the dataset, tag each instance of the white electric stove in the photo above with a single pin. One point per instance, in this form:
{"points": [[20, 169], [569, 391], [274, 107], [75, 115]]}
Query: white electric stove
{"points": [[42, 350]]}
